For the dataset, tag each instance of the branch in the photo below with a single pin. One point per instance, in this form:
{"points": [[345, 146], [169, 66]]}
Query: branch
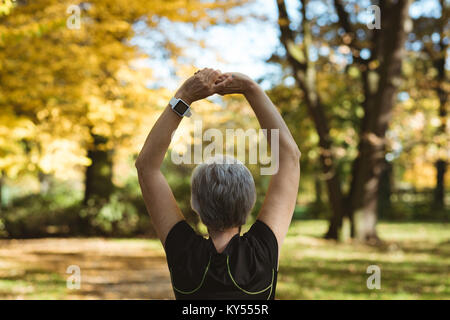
{"points": [[288, 38], [344, 21], [305, 76], [344, 18]]}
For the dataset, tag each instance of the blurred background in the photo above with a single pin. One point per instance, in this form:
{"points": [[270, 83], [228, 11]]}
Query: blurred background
{"points": [[363, 88]]}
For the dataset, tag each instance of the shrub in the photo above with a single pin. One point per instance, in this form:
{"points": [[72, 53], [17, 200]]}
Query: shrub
{"points": [[62, 214]]}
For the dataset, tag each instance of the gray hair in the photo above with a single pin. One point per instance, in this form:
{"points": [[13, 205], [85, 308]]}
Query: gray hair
{"points": [[223, 192]]}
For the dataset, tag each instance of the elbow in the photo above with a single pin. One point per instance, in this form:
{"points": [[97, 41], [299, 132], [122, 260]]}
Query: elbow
{"points": [[291, 154], [144, 165], [288, 148], [139, 164], [296, 152]]}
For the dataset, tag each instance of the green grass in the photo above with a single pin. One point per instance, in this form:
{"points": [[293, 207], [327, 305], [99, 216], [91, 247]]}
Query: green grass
{"points": [[414, 264], [33, 284]]}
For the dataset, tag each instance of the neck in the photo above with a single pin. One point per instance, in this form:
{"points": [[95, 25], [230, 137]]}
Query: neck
{"points": [[221, 238]]}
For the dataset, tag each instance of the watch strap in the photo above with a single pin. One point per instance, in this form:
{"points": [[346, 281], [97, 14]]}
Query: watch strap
{"points": [[174, 101]]}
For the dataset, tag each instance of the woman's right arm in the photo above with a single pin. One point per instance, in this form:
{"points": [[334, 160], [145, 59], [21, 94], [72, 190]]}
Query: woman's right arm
{"points": [[281, 197]]}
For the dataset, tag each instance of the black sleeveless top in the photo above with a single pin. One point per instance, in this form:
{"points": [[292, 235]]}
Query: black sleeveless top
{"points": [[246, 269]]}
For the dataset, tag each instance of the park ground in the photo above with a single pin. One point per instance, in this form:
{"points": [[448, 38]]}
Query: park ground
{"points": [[414, 263]]}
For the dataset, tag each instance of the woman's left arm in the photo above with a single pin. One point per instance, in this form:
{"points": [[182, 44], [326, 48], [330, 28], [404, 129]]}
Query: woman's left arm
{"points": [[158, 196]]}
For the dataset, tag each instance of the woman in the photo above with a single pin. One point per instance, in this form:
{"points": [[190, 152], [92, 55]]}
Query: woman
{"points": [[227, 265]]}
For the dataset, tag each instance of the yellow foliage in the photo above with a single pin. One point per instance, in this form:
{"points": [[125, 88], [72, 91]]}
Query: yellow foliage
{"points": [[60, 85], [422, 175]]}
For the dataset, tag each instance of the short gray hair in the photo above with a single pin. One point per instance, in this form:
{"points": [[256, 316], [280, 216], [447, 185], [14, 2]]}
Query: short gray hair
{"points": [[223, 192]]}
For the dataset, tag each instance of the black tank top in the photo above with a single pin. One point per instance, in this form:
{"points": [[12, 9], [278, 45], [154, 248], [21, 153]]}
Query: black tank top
{"points": [[246, 269]]}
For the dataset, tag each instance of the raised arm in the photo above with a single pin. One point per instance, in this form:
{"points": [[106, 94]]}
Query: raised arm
{"points": [[158, 196], [279, 203]]}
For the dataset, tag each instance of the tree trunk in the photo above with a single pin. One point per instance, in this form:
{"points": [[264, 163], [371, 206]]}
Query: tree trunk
{"points": [[305, 76], [381, 79], [338, 211], [363, 208], [380, 99], [2, 181], [439, 191], [385, 191], [318, 189], [98, 176], [45, 182], [439, 63], [318, 201]]}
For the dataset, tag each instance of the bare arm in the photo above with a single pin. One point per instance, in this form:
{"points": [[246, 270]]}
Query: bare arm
{"points": [[158, 197], [279, 204]]}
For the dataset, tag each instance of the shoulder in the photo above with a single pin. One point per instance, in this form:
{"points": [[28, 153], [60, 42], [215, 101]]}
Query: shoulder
{"points": [[187, 257], [252, 262], [263, 233], [181, 241], [263, 241], [259, 228], [179, 229]]}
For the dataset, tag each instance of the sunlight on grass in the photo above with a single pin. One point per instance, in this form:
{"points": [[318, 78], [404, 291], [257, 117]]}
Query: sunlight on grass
{"points": [[34, 284], [414, 263]]}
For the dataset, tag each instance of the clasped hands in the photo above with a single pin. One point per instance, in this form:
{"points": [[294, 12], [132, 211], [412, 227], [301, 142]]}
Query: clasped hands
{"points": [[207, 82]]}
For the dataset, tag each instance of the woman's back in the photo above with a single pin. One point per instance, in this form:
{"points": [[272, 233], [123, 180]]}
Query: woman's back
{"points": [[246, 269], [223, 193]]}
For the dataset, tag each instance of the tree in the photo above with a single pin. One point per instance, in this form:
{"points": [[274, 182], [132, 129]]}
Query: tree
{"points": [[379, 75], [70, 96], [427, 30]]}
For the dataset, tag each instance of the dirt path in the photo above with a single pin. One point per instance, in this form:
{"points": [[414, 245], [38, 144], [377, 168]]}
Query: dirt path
{"points": [[110, 269]]}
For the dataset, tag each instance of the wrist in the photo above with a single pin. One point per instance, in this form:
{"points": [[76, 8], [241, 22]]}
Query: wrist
{"points": [[250, 88], [184, 96]]}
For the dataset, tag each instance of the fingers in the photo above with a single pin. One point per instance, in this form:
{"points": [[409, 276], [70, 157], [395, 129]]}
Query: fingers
{"points": [[208, 74], [212, 75], [200, 72], [214, 79], [225, 80], [222, 77]]}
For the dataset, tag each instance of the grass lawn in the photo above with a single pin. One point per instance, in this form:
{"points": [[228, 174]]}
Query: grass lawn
{"points": [[414, 264]]}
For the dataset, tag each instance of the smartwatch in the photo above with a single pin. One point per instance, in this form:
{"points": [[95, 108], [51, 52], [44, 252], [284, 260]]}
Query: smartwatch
{"points": [[180, 107]]}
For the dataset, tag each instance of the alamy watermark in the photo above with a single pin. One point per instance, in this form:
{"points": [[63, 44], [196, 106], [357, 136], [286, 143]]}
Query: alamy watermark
{"points": [[73, 22], [374, 280], [376, 22], [257, 147], [74, 280]]}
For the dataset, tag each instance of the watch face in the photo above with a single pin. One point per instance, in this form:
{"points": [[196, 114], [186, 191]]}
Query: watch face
{"points": [[180, 107]]}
